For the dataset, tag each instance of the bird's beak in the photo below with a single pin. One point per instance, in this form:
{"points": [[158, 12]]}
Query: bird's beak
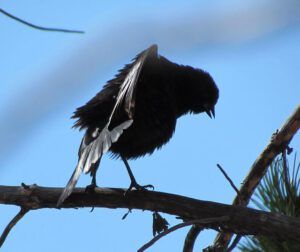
{"points": [[210, 112]]}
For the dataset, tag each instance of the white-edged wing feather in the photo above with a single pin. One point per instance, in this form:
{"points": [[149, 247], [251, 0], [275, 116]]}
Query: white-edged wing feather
{"points": [[103, 142], [128, 87], [93, 151]]}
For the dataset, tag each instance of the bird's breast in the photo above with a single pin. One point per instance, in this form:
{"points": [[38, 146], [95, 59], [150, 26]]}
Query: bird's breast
{"points": [[153, 125]]}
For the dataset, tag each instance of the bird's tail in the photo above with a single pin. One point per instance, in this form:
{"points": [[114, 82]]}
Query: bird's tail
{"points": [[74, 178], [93, 153], [70, 186]]}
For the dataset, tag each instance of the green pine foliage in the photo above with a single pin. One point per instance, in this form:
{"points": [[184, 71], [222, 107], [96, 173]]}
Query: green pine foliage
{"points": [[279, 192]]}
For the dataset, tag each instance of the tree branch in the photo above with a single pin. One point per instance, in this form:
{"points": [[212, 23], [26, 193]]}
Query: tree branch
{"points": [[37, 26], [228, 179], [190, 238], [242, 220], [279, 142], [202, 222], [11, 224]]}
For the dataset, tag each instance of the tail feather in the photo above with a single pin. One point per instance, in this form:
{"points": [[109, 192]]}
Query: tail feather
{"points": [[103, 142], [74, 178], [91, 154]]}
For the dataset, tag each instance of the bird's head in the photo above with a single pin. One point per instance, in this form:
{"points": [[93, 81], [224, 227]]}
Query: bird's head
{"points": [[204, 93]]}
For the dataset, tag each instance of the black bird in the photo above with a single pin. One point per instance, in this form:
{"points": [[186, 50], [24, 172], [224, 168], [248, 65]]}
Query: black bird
{"points": [[136, 112]]}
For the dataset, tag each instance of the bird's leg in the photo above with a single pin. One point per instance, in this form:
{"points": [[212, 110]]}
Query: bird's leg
{"points": [[133, 183], [91, 188]]}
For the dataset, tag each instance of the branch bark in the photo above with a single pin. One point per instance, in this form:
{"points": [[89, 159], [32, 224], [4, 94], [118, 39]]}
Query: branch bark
{"points": [[242, 220]]}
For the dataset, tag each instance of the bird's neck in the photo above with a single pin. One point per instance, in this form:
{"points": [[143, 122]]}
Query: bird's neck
{"points": [[182, 91]]}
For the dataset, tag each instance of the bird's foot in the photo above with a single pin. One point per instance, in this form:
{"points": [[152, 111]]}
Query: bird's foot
{"points": [[90, 188], [135, 185]]}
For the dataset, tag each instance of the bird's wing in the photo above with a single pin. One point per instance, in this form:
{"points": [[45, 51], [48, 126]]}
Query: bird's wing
{"points": [[127, 90], [92, 150]]}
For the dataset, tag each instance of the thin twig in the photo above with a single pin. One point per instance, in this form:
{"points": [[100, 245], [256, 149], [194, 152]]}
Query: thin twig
{"points": [[234, 243], [286, 177], [190, 238], [229, 179], [37, 26], [181, 225], [12, 223]]}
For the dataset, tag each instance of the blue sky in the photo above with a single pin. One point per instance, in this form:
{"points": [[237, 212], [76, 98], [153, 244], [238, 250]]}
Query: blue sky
{"points": [[254, 60]]}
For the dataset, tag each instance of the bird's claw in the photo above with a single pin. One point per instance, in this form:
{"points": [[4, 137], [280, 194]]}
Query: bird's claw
{"points": [[148, 186], [135, 185], [90, 188]]}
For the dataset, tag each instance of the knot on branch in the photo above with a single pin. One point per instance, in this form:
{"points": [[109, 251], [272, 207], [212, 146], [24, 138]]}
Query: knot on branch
{"points": [[31, 200]]}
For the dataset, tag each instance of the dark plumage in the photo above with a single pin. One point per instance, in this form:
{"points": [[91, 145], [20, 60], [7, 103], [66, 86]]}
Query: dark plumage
{"points": [[136, 112]]}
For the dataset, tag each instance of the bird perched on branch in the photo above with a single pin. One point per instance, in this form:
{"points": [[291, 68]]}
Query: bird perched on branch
{"points": [[136, 112]]}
